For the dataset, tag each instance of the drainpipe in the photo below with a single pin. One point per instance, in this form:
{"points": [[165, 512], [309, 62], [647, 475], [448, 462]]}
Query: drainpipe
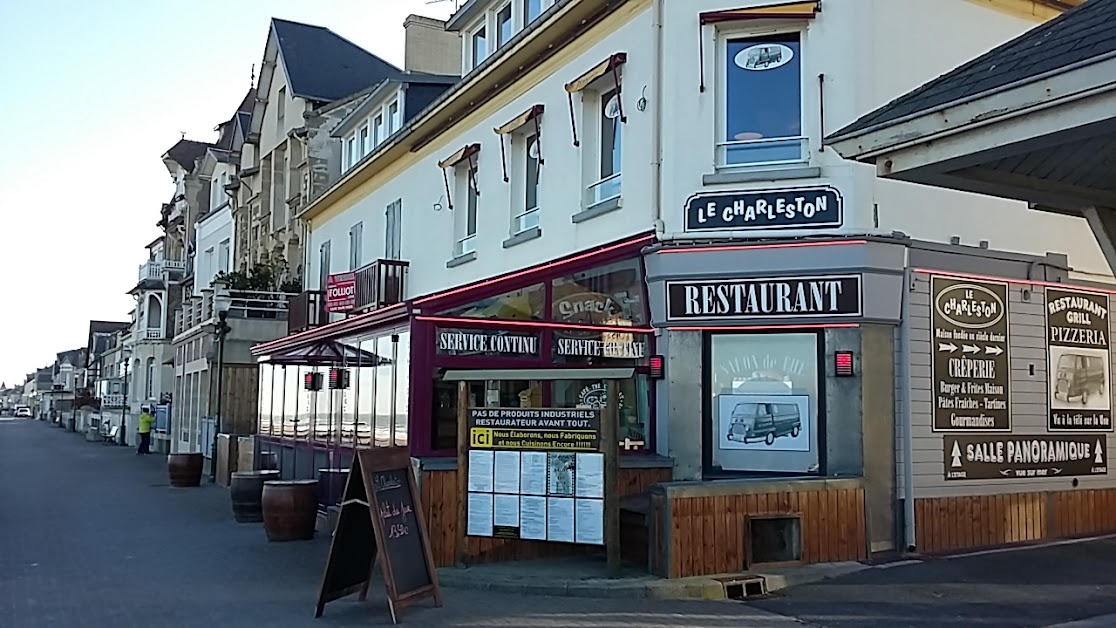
{"points": [[657, 118], [905, 365]]}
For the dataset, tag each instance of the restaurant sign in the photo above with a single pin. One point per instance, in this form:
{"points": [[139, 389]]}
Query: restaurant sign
{"points": [[801, 208], [1024, 457], [970, 363], [341, 292], [779, 297], [1079, 368]]}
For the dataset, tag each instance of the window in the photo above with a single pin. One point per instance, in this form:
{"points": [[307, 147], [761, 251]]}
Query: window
{"points": [[531, 10], [356, 235], [350, 156], [503, 25], [529, 217], [209, 265], [378, 125], [608, 186], [224, 260], [762, 104], [479, 47], [524, 304], [149, 390], [323, 265], [364, 147], [281, 110], [467, 219], [393, 230], [394, 123], [763, 402]]}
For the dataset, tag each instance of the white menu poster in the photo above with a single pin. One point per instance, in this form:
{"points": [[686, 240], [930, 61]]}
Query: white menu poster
{"points": [[590, 521], [590, 475], [532, 517], [532, 473], [480, 514], [480, 471], [506, 472], [560, 519], [505, 510]]}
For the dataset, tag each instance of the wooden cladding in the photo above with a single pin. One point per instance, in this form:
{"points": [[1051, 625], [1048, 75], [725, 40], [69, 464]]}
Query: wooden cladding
{"points": [[706, 535], [951, 524], [439, 501]]}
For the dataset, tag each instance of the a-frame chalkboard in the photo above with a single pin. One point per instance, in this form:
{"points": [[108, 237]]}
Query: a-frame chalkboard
{"points": [[381, 517]]}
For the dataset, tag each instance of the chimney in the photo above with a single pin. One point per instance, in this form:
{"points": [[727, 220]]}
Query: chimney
{"points": [[429, 47]]}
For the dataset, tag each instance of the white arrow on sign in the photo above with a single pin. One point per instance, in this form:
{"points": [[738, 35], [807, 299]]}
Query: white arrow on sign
{"points": [[993, 350], [947, 347], [970, 348]]}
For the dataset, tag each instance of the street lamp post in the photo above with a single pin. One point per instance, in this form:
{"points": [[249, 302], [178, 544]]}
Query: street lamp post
{"points": [[222, 303], [127, 355]]}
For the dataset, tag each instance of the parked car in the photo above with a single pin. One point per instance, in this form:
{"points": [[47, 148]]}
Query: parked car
{"points": [[23, 412], [1079, 375], [767, 421]]}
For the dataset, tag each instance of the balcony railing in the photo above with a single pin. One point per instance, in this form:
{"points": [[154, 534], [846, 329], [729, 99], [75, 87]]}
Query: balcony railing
{"points": [[157, 270], [306, 310], [380, 284], [112, 401], [152, 334], [245, 304]]}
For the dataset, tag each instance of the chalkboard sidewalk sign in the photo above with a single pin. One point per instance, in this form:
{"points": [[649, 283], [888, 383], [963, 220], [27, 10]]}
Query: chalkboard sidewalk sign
{"points": [[381, 517]]}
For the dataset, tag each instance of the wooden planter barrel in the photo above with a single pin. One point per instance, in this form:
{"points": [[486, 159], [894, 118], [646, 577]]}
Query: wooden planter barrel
{"points": [[290, 509], [184, 469], [246, 492]]}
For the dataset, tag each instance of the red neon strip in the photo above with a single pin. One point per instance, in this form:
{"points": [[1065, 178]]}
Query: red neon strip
{"points": [[502, 323], [1023, 282], [737, 247], [768, 327], [535, 269], [262, 348]]}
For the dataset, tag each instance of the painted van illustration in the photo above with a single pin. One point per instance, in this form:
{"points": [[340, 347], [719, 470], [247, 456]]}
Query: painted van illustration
{"points": [[1079, 375], [764, 421], [763, 56]]}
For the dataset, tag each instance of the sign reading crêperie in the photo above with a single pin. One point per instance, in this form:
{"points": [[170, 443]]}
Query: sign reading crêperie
{"points": [[1079, 367], [789, 297], [802, 208], [970, 364]]}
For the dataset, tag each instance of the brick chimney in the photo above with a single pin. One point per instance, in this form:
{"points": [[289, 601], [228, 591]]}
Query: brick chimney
{"points": [[429, 47]]}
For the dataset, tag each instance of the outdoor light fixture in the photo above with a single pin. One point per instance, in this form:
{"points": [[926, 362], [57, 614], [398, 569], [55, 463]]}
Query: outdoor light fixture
{"points": [[843, 363], [222, 303], [338, 378], [312, 381], [656, 364]]}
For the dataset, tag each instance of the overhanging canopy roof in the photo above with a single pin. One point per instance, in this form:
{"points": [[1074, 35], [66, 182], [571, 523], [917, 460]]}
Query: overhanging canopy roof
{"points": [[326, 352], [1032, 120]]}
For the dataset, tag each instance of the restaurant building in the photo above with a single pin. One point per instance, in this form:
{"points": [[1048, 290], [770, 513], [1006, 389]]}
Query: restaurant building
{"points": [[762, 297]]}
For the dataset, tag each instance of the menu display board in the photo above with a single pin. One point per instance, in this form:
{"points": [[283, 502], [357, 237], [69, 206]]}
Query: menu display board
{"points": [[970, 355], [1079, 365]]}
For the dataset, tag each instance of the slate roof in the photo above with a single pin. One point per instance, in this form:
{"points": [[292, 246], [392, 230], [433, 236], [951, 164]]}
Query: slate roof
{"points": [[1085, 32], [186, 152], [321, 65]]}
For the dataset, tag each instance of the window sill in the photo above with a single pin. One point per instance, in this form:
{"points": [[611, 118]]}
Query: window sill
{"points": [[523, 236], [749, 176], [462, 259], [599, 209]]}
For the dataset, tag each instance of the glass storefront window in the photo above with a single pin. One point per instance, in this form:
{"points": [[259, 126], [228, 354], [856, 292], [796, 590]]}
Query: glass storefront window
{"points": [[764, 391], [279, 420], [384, 394], [609, 295], [291, 411], [265, 393], [402, 387], [525, 304], [633, 414], [490, 394], [364, 381]]}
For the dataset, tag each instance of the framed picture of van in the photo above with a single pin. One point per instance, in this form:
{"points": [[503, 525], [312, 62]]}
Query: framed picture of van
{"points": [[1079, 365], [767, 423]]}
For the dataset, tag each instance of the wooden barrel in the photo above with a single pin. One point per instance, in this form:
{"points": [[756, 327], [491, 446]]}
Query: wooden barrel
{"points": [[246, 492], [269, 460], [184, 469], [290, 509]]}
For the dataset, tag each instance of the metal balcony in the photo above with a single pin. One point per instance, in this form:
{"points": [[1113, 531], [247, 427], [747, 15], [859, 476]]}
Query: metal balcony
{"points": [[306, 310], [380, 284]]}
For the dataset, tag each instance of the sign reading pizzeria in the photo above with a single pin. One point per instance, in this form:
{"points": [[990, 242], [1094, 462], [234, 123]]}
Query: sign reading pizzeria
{"points": [[1023, 457], [802, 208], [782, 297], [1079, 368], [970, 358]]}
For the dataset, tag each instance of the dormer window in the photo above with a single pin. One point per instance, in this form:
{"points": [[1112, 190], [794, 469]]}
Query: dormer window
{"points": [[479, 46], [504, 28], [533, 9]]}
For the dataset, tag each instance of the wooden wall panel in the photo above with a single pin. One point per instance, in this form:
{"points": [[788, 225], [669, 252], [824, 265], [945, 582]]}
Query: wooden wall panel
{"points": [[953, 524], [439, 502]]}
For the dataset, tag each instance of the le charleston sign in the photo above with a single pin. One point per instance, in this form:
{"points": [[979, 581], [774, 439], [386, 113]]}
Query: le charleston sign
{"points": [[800, 208]]}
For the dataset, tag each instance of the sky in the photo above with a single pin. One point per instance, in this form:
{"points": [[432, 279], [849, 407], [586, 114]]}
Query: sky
{"points": [[92, 94]]}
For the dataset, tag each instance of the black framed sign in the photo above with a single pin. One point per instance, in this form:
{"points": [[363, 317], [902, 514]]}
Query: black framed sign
{"points": [[1024, 457], [768, 297], [792, 208], [1079, 366]]}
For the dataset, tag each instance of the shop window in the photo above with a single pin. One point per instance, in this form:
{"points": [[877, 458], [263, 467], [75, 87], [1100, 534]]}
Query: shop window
{"points": [[633, 406], [317, 407], [761, 106], [402, 385], [265, 394], [765, 401], [487, 343], [490, 394], [525, 304], [381, 436], [359, 428], [609, 295]]}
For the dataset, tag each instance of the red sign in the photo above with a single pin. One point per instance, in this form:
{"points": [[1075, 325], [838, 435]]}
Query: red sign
{"points": [[341, 292]]}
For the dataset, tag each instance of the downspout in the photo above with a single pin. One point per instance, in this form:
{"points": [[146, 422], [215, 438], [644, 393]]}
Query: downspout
{"points": [[905, 365], [657, 118]]}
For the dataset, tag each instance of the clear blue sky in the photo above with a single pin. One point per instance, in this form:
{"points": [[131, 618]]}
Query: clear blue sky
{"points": [[91, 95]]}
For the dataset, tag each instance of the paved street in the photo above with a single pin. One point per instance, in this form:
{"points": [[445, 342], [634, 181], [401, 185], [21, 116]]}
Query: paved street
{"points": [[93, 536]]}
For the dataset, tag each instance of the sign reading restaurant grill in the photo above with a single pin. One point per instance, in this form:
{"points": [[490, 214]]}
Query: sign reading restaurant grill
{"points": [[1021, 457], [772, 297], [802, 208], [1079, 368], [970, 363]]}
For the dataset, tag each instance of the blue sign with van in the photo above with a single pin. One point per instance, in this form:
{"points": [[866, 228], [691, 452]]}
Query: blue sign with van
{"points": [[797, 208]]}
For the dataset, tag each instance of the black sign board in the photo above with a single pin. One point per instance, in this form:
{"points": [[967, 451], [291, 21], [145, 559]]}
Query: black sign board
{"points": [[802, 208], [380, 517], [970, 360], [773, 297], [1024, 457], [541, 429], [1079, 368]]}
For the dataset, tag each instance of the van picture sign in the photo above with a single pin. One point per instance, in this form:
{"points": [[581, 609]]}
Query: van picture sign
{"points": [[1079, 364], [970, 358], [801, 208]]}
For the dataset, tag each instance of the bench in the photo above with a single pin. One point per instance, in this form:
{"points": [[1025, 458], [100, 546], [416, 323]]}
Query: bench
{"points": [[109, 434]]}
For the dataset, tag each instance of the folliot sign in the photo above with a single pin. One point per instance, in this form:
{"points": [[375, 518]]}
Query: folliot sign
{"points": [[782, 297], [341, 292], [800, 208]]}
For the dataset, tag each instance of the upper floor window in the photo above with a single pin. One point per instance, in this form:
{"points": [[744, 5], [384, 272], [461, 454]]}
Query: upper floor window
{"points": [[323, 264], [356, 246], [761, 115], [394, 122], [529, 217], [532, 9], [378, 126], [464, 198], [609, 144], [479, 46], [393, 230], [603, 116], [504, 27], [281, 109], [363, 142]]}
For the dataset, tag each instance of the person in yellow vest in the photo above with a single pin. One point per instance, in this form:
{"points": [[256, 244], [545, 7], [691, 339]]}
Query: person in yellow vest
{"points": [[146, 419]]}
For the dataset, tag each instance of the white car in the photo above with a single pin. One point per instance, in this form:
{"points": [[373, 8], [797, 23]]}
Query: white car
{"points": [[23, 412]]}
